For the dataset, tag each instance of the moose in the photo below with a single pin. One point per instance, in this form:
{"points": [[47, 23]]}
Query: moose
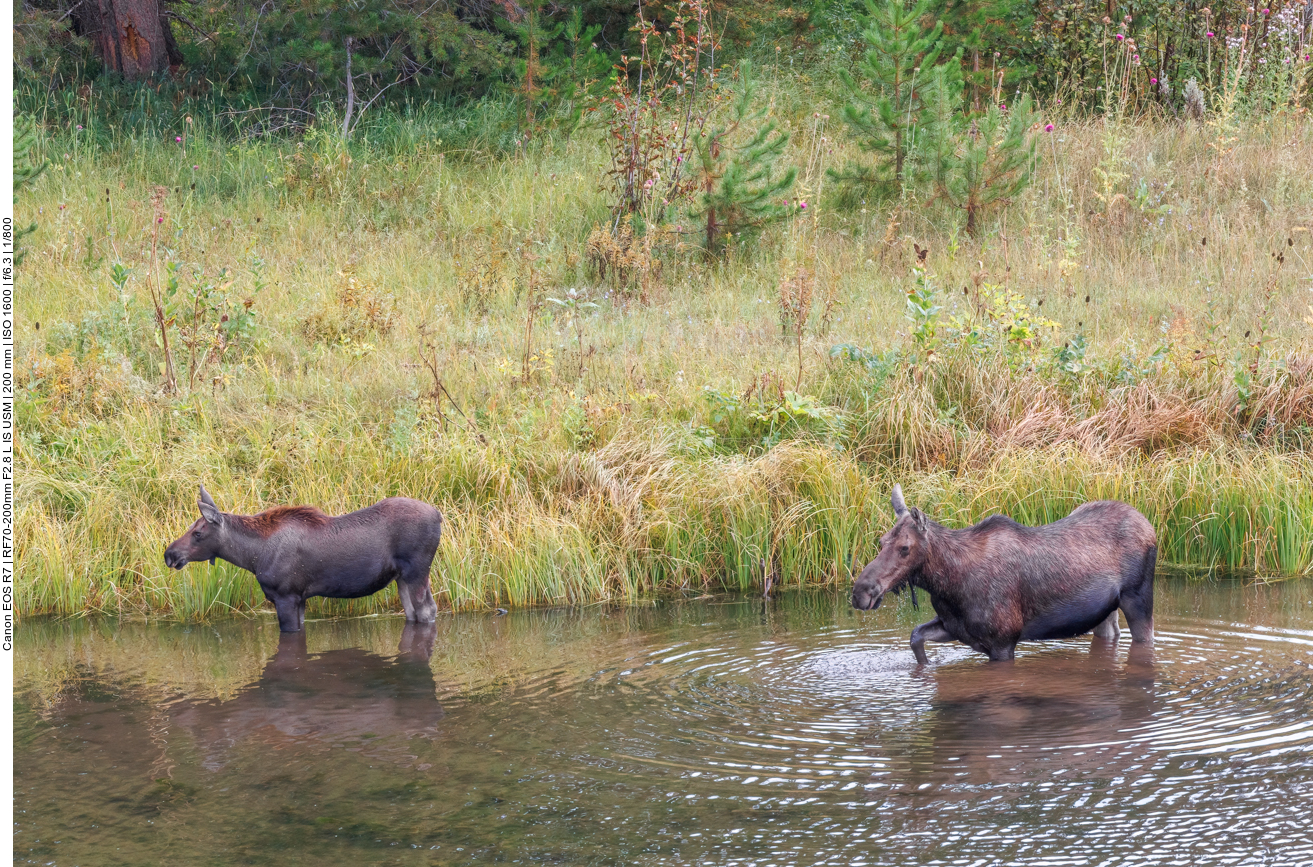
{"points": [[1000, 582], [297, 552]]}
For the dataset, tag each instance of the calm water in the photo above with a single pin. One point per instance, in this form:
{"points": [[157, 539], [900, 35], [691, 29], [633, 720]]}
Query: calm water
{"points": [[726, 731]]}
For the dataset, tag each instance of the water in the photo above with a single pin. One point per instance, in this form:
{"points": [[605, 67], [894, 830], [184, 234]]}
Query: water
{"points": [[717, 730]]}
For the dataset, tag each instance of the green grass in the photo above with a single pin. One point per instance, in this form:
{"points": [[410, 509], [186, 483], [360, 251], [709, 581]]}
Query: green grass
{"points": [[628, 480]]}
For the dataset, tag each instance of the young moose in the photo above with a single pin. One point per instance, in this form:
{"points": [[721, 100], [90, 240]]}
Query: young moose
{"points": [[1000, 582], [297, 552]]}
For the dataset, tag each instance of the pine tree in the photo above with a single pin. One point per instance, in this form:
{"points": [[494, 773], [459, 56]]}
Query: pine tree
{"points": [[975, 162], [991, 36], [26, 170], [561, 65], [888, 101], [740, 190]]}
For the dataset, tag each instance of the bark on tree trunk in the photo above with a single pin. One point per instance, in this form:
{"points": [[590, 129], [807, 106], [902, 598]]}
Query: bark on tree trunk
{"points": [[131, 36]]}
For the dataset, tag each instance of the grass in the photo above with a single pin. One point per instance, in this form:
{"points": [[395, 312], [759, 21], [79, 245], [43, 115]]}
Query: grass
{"points": [[677, 459]]}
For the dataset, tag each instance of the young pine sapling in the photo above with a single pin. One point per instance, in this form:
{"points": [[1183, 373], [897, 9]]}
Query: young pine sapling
{"points": [[888, 96], [740, 190]]}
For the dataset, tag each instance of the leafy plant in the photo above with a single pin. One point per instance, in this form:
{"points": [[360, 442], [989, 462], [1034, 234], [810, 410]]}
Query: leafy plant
{"points": [[653, 114], [1070, 356], [766, 414], [212, 321], [923, 312], [359, 311], [575, 303], [795, 308]]}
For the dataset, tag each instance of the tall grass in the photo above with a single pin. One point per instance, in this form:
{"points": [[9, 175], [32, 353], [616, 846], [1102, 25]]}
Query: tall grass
{"points": [[1192, 400], [636, 517]]}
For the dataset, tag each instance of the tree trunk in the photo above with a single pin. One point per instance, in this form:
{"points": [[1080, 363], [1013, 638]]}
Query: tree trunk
{"points": [[131, 36]]}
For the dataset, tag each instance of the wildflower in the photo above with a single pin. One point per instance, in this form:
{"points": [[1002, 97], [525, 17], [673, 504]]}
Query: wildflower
{"points": [[159, 219], [1121, 36], [1048, 127], [802, 205], [1153, 81], [79, 126], [1267, 11], [1210, 34], [177, 138], [194, 168], [1136, 58]]}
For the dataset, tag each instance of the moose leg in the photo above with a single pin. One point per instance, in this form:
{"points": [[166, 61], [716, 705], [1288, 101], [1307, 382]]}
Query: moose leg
{"points": [[403, 591], [422, 608], [291, 612], [932, 631], [1137, 601], [1108, 630], [414, 579], [1139, 617]]}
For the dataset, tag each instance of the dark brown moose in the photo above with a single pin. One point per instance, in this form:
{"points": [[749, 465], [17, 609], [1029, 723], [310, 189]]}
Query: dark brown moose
{"points": [[297, 552], [1000, 582]]}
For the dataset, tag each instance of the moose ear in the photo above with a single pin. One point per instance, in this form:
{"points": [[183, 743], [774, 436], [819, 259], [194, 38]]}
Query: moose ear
{"points": [[209, 510], [900, 508], [918, 521]]}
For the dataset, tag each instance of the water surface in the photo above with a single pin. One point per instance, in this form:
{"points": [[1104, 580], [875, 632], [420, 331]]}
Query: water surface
{"points": [[716, 730]]}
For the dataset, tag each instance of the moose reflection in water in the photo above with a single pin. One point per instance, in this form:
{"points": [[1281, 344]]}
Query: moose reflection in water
{"points": [[297, 552], [322, 700], [999, 582], [1066, 710]]}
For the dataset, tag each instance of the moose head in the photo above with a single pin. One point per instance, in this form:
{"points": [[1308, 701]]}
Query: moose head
{"points": [[202, 541], [902, 554]]}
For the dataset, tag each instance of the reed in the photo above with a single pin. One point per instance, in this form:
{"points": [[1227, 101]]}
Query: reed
{"points": [[636, 518]]}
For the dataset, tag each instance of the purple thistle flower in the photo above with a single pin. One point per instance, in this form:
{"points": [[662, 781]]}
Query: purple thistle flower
{"points": [[177, 138], [1048, 127]]}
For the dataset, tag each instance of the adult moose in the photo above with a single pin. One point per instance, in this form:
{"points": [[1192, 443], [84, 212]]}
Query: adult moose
{"points": [[1001, 582], [297, 552]]}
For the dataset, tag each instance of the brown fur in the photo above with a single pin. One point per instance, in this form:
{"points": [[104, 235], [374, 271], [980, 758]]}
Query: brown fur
{"points": [[272, 520]]}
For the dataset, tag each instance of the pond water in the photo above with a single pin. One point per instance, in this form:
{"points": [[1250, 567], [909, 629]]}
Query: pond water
{"points": [[719, 730]]}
